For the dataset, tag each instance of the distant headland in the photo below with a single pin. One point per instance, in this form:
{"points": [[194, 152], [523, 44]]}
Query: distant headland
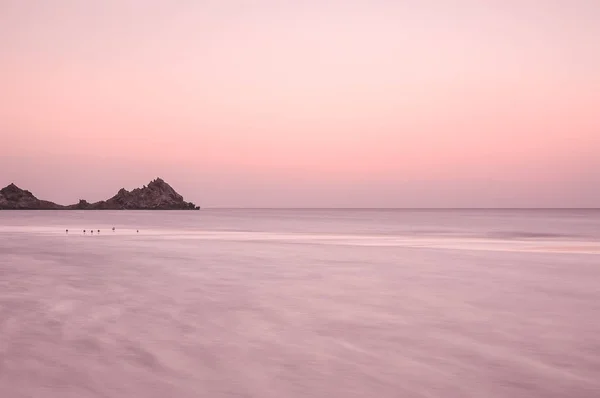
{"points": [[158, 195]]}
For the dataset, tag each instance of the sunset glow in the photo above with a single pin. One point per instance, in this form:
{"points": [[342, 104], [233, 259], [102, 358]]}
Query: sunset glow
{"points": [[294, 104]]}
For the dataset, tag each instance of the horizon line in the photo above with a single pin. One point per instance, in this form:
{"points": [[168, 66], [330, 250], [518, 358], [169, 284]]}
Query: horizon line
{"points": [[397, 208]]}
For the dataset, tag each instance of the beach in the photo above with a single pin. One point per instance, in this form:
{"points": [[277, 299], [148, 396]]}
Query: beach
{"points": [[300, 303]]}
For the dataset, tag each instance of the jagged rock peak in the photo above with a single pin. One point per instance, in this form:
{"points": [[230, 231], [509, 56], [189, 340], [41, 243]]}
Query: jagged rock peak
{"points": [[156, 195], [158, 183]]}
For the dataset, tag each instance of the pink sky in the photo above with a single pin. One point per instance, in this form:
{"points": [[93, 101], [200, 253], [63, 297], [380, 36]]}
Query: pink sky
{"points": [[304, 103]]}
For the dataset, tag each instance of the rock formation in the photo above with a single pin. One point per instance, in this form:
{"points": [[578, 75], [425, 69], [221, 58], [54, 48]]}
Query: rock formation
{"points": [[14, 198], [158, 195]]}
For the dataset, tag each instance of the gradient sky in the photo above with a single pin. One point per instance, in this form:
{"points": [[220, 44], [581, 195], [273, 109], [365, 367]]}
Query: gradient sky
{"points": [[304, 103]]}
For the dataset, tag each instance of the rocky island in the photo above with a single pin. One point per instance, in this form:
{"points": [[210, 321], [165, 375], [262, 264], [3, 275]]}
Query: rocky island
{"points": [[158, 195]]}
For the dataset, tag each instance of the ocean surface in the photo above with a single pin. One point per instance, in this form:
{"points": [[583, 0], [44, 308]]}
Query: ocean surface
{"points": [[300, 303]]}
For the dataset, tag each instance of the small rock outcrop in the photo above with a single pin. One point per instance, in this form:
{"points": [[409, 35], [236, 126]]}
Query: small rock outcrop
{"points": [[82, 205], [158, 195], [14, 198]]}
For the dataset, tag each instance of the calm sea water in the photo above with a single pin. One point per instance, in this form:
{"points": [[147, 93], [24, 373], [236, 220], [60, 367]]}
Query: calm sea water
{"points": [[300, 303]]}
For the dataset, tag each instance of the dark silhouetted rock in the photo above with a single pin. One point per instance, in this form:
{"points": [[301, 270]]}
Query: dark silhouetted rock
{"points": [[158, 195], [82, 205], [15, 198]]}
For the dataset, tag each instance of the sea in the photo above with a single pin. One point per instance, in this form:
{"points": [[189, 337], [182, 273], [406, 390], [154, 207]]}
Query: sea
{"points": [[288, 303]]}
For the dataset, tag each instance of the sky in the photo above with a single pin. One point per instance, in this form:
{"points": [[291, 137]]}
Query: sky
{"points": [[329, 103]]}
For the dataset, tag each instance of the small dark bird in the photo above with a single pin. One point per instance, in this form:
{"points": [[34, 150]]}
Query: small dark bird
{"points": [[138, 231], [92, 231], [84, 231], [98, 231], [113, 229], [66, 230]]}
